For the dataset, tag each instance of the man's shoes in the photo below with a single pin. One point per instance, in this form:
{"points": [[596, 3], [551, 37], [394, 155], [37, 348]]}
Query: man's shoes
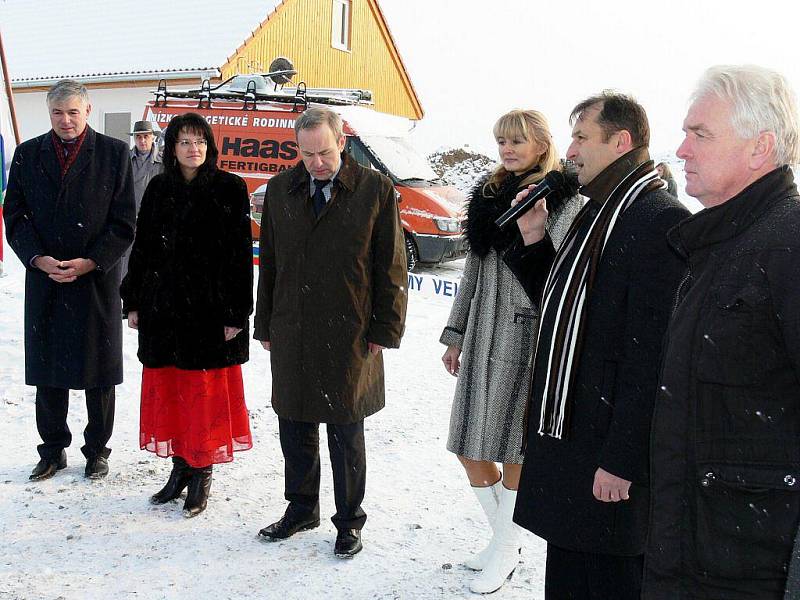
{"points": [[348, 543], [287, 526], [96, 467], [47, 467]]}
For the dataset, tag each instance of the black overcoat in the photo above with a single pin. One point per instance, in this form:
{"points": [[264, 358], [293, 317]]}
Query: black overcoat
{"points": [[726, 428], [73, 331], [327, 287], [626, 315], [191, 272]]}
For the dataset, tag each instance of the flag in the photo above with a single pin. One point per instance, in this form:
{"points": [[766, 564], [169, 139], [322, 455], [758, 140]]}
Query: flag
{"points": [[7, 145]]}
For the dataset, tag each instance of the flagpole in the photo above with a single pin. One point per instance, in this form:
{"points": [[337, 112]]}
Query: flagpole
{"points": [[9, 95]]}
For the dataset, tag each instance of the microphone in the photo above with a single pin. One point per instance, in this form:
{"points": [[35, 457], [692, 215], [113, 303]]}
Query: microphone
{"points": [[554, 185]]}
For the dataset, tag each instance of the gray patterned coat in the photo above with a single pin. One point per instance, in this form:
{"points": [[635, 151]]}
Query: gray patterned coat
{"points": [[495, 325]]}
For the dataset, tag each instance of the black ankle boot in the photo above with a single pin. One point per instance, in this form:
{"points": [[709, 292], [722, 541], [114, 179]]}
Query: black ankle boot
{"points": [[199, 489], [178, 480]]}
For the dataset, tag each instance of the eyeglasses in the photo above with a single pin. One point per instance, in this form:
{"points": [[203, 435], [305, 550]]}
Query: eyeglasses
{"points": [[195, 143]]}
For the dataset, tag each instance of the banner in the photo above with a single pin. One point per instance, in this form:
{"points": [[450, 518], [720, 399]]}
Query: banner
{"points": [[433, 286]]}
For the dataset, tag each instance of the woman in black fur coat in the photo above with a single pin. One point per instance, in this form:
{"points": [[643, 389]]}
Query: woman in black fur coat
{"points": [[490, 338], [189, 292]]}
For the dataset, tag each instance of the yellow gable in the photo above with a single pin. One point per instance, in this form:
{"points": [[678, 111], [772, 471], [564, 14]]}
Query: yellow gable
{"points": [[336, 44]]}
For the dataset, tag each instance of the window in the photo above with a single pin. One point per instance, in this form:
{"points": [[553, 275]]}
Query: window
{"points": [[117, 125], [356, 150], [340, 27]]}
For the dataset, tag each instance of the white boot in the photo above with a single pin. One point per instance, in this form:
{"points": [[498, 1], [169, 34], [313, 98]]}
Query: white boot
{"points": [[504, 556], [489, 497]]}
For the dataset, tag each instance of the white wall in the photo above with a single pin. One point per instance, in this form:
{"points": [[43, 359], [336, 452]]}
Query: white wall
{"points": [[32, 110]]}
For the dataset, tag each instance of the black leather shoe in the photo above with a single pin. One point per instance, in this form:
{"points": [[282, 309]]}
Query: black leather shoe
{"points": [[348, 543], [178, 480], [199, 491], [287, 526], [47, 467], [96, 467]]}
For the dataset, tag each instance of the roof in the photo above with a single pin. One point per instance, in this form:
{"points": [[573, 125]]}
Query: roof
{"points": [[54, 39]]}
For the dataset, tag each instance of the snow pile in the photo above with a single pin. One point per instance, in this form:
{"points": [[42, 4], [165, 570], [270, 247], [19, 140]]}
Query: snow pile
{"points": [[461, 167], [71, 539]]}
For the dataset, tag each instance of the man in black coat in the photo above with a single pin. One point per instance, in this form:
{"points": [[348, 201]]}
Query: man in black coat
{"points": [[69, 214], [726, 427], [604, 299]]}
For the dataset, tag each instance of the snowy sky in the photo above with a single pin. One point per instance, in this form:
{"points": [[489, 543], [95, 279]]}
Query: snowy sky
{"points": [[473, 60]]}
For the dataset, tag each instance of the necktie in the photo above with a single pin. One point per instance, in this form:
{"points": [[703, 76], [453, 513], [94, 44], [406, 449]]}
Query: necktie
{"points": [[319, 195]]}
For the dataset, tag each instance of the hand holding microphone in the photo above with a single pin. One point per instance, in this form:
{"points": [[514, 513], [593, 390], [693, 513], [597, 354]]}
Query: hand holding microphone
{"points": [[556, 187], [532, 222]]}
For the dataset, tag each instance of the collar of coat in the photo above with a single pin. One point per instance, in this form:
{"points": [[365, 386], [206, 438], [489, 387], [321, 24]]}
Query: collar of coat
{"points": [[52, 166], [600, 188], [719, 223], [346, 177], [486, 204], [153, 156]]}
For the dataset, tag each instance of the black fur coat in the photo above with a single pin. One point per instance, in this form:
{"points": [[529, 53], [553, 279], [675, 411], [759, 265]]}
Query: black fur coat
{"points": [[191, 272], [485, 205]]}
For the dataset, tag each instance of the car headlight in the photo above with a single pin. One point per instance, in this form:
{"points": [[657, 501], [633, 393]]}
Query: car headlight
{"points": [[448, 224]]}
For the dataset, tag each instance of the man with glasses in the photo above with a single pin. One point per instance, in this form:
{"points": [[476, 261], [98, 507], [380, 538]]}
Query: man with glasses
{"points": [[69, 217]]}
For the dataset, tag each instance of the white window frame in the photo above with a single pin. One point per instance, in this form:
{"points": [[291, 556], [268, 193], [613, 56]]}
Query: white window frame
{"points": [[341, 24]]}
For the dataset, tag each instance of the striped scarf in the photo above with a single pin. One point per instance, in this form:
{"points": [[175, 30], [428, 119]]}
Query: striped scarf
{"points": [[564, 300]]}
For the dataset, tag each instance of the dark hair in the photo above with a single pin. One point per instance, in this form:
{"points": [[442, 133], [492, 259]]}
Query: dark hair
{"points": [[617, 112], [191, 123]]}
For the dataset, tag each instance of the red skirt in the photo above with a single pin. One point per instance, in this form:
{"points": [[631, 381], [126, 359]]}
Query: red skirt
{"points": [[197, 415]]}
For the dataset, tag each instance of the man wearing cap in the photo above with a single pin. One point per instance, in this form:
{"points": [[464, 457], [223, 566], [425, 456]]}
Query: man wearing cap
{"points": [[145, 157], [145, 164]]}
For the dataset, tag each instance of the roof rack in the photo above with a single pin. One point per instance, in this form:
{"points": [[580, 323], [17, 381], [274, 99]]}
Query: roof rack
{"points": [[298, 96]]}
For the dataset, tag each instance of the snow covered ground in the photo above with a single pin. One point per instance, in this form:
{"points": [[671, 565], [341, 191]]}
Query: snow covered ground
{"points": [[68, 538]]}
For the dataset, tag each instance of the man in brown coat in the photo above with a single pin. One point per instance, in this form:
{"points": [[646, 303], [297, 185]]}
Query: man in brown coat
{"points": [[331, 297]]}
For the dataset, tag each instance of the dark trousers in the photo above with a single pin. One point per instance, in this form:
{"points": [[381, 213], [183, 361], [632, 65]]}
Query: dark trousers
{"points": [[52, 405], [585, 576], [300, 445]]}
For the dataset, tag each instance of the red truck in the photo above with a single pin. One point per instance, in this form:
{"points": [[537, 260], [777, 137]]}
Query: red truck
{"points": [[254, 131]]}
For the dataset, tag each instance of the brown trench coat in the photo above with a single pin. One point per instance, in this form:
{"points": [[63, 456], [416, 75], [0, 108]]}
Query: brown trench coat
{"points": [[327, 286]]}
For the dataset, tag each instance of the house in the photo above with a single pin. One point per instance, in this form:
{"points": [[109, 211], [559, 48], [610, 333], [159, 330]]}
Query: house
{"points": [[121, 49]]}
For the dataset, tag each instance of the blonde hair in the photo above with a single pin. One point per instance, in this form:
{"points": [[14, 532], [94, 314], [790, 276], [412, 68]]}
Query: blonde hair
{"points": [[530, 125]]}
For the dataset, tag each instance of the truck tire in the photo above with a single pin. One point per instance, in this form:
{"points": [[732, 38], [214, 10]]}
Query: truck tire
{"points": [[412, 256]]}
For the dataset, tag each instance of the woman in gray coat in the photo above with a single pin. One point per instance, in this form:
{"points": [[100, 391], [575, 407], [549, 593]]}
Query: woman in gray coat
{"points": [[491, 334]]}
